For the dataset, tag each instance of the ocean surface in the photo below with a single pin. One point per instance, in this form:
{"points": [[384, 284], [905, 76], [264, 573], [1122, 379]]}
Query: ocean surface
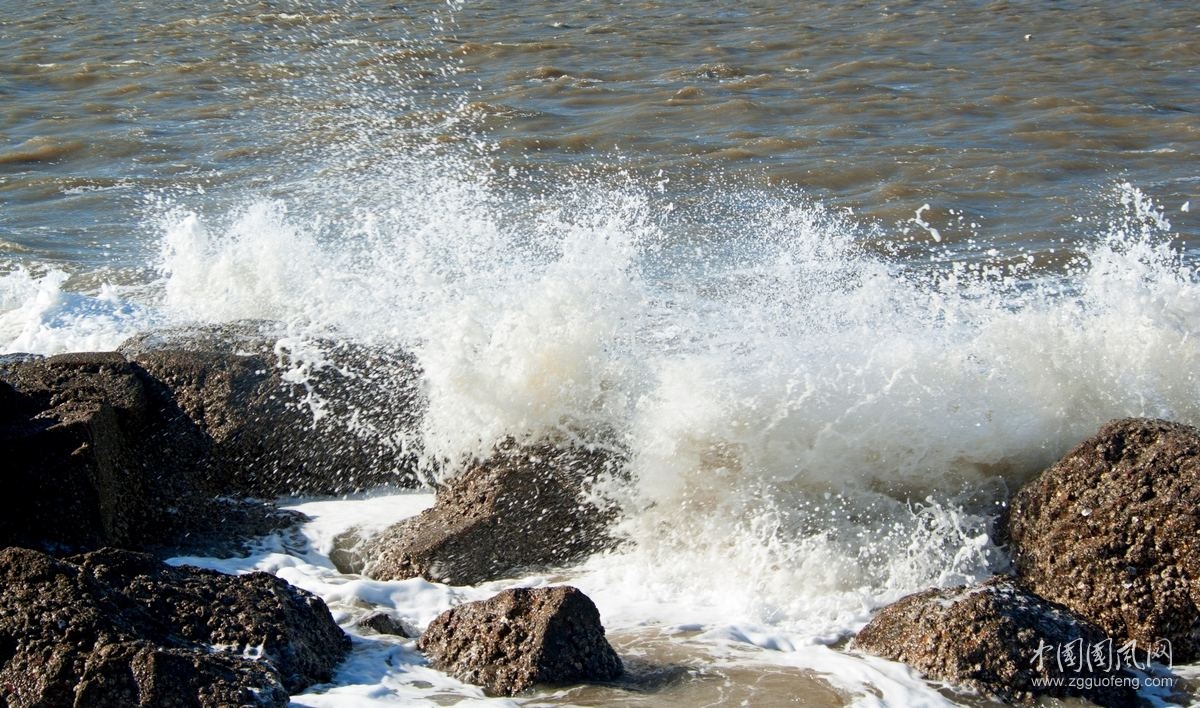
{"points": [[836, 277]]}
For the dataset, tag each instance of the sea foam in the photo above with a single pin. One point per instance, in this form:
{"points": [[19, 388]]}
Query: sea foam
{"points": [[813, 425]]}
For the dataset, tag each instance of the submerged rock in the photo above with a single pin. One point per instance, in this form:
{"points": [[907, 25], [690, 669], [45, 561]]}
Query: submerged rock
{"points": [[120, 628], [347, 552], [522, 637], [1112, 531], [382, 622], [1000, 640], [309, 417], [95, 455], [521, 509]]}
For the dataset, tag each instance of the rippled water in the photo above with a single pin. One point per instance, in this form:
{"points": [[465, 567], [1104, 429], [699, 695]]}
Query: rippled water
{"points": [[835, 277], [1016, 116]]}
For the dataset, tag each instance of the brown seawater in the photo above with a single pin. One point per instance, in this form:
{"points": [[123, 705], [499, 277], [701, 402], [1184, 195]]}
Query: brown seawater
{"points": [[1017, 115]]}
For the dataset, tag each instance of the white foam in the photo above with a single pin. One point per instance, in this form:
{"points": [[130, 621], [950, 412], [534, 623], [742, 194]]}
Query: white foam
{"points": [[829, 426], [813, 429], [388, 671], [39, 315]]}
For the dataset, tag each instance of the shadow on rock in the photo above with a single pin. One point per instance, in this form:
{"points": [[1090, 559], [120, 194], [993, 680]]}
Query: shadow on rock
{"points": [[95, 456]]}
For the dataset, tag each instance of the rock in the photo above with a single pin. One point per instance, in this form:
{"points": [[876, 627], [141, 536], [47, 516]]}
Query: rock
{"points": [[998, 639], [141, 674], [10, 403], [522, 637], [522, 509], [120, 628], [255, 612], [160, 452], [1112, 531], [387, 623], [315, 417], [95, 455], [347, 552]]}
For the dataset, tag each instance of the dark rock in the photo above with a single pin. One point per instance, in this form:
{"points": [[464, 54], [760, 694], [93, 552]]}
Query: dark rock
{"points": [[142, 674], [387, 623], [998, 639], [96, 455], [338, 428], [253, 612], [11, 403], [72, 479], [159, 453], [1112, 531], [521, 509], [120, 628], [522, 637]]}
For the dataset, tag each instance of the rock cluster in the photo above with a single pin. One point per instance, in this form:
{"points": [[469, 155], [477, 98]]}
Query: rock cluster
{"points": [[995, 638], [1106, 551], [163, 446], [117, 628], [522, 637], [521, 509]]}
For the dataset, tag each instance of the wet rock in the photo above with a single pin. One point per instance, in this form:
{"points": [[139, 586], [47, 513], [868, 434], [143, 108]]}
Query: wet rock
{"points": [[120, 628], [95, 455], [255, 612], [522, 637], [347, 552], [159, 451], [142, 674], [998, 639], [1112, 531], [285, 415], [387, 623], [522, 509]]}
